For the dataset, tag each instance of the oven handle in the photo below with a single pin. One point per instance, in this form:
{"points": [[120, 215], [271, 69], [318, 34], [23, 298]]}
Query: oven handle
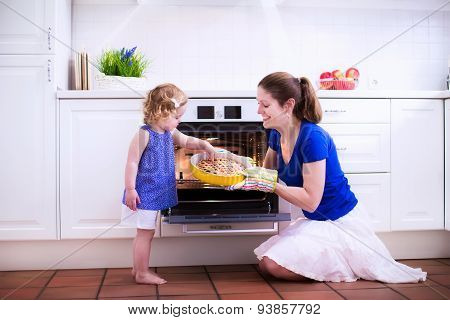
{"points": [[220, 201], [274, 229]]}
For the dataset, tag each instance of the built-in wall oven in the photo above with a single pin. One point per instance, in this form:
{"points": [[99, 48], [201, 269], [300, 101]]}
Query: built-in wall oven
{"points": [[203, 209]]}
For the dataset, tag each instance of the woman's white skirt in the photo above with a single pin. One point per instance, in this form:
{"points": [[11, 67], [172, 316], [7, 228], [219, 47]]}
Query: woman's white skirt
{"points": [[342, 250]]}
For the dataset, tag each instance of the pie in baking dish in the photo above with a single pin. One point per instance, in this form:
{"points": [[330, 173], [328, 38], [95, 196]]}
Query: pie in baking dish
{"points": [[220, 167]]}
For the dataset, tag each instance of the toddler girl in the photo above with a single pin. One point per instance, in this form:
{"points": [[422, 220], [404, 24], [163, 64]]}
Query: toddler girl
{"points": [[150, 184]]}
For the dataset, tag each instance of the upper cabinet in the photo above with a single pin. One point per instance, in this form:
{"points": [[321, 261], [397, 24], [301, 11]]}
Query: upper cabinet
{"points": [[31, 26], [26, 26], [417, 164]]}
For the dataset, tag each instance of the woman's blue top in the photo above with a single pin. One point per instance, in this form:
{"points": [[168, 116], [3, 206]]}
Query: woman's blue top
{"points": [[315, 144]]}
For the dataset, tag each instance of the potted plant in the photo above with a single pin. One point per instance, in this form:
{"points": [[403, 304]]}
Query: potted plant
{"points": [[121, 69]]}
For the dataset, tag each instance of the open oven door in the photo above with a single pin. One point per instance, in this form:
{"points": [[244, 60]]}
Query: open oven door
{"points": [[214, 211]]}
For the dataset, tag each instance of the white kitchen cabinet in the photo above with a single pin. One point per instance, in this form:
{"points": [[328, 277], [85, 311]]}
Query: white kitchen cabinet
{"points": [[28, 146], [417, 164], [374, 198], [447, 164], [355, 111], [94, 139], [26, 26], [361, 148]]}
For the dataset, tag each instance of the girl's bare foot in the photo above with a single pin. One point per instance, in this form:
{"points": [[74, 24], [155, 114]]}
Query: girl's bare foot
{"points": [[149, 278]]}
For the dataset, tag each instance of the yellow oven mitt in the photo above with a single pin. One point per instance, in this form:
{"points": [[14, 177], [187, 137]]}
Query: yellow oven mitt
{"points": [[257, 178]]}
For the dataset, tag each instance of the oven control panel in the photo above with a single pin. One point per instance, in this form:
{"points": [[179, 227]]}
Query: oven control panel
{"points": [[223, 110]]}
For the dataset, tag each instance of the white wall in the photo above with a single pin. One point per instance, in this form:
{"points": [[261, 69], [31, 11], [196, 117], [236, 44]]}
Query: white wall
{"points": [[225, 47]]}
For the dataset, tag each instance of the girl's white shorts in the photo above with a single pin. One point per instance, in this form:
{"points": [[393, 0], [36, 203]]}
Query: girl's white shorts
{"points": [[141, 219]]}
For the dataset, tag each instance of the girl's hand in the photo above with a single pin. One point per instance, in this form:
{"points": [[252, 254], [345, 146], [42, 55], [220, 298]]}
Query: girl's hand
{"points": [[132, 199], [210, 151]]}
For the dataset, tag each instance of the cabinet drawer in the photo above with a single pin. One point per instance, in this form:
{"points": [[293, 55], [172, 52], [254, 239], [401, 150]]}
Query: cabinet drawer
{"points": [[361, 148], [373, 194], [355, 110]]}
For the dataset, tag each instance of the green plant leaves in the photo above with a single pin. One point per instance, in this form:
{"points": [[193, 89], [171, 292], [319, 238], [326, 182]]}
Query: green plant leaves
{"points": [[113, 63]]}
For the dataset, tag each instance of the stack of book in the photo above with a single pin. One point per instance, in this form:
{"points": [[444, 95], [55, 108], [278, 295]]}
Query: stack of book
{"points": [[82, 76]]}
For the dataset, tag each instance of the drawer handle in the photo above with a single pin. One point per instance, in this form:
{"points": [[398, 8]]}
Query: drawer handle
{"points": [[274, 229], [335, 111], [341, 148], [49, 39]]}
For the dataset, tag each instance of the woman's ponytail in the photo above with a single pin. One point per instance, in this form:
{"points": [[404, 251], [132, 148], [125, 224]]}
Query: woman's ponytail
{"points": [[308, 106], [283, 86]]}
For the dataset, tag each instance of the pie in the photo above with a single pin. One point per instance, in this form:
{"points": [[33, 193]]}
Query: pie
{"points": [[220, 167]]}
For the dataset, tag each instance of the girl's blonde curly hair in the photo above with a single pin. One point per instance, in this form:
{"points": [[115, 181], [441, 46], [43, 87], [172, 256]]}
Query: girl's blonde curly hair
{"points": [[162, 101]]}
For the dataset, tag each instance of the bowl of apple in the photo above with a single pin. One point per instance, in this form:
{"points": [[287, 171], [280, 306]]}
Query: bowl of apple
{"points": [[337, 80]]}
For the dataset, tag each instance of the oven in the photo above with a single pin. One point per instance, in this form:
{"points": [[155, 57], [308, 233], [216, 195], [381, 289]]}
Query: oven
{"points": [[207, 210]]}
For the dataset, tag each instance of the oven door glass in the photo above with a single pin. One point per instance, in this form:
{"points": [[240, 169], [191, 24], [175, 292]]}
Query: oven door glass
{"points": [[204, 203]]}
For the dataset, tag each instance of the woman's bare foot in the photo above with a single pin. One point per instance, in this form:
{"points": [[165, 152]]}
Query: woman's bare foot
{"points": [[149, 278]]}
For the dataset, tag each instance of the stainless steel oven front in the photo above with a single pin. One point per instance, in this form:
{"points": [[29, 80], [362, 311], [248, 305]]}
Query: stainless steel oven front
{"points": [[206, 210]]}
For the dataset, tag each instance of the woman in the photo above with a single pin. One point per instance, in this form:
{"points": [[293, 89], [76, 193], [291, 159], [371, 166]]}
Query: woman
{"points": [[335, 243]]}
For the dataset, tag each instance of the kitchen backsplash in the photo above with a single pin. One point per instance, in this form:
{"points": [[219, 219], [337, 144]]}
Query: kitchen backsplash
{"points": [[232, 48]]}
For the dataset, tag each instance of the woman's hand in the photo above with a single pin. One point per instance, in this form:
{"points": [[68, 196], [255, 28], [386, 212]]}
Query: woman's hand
{"points": [[257, 178], [132, 199]]}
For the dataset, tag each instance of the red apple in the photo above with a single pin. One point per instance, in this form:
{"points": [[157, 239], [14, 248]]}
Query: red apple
{"points": [[337, 74], [352, 73], [326, 75]]}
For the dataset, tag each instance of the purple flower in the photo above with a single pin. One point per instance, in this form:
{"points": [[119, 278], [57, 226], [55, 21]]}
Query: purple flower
{"points": [[124, 56]]}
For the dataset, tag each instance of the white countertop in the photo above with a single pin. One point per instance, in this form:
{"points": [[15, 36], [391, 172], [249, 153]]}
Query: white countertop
{"points": [[128, 94]]}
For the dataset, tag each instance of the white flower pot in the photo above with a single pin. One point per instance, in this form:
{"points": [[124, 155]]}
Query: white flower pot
{"points": [[104, 82]]}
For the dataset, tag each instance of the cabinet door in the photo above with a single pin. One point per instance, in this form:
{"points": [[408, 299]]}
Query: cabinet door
{"points": [[94, 140], [447, 164], [28, 147], [27, 26], [417, 164], [361, 148], [373, 194]]}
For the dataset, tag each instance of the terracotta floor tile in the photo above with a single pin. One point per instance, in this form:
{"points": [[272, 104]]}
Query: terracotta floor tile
{"points": [[130, 298], [445, 260], [67, 293], [311, 295], [371, 294], [118, 279], [132, 290], [191, 297], [250, 296], [442, 269], [236, 276], [421, 262], [443, 279], [192, 269], [181, 289], [425, 293], [360, 284], [79, 272], [286, 286], [186, 277], [425, 283], [85, 281], [27, 274], [20, 294], [22, 282], [230, 268], [228, 287]]}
